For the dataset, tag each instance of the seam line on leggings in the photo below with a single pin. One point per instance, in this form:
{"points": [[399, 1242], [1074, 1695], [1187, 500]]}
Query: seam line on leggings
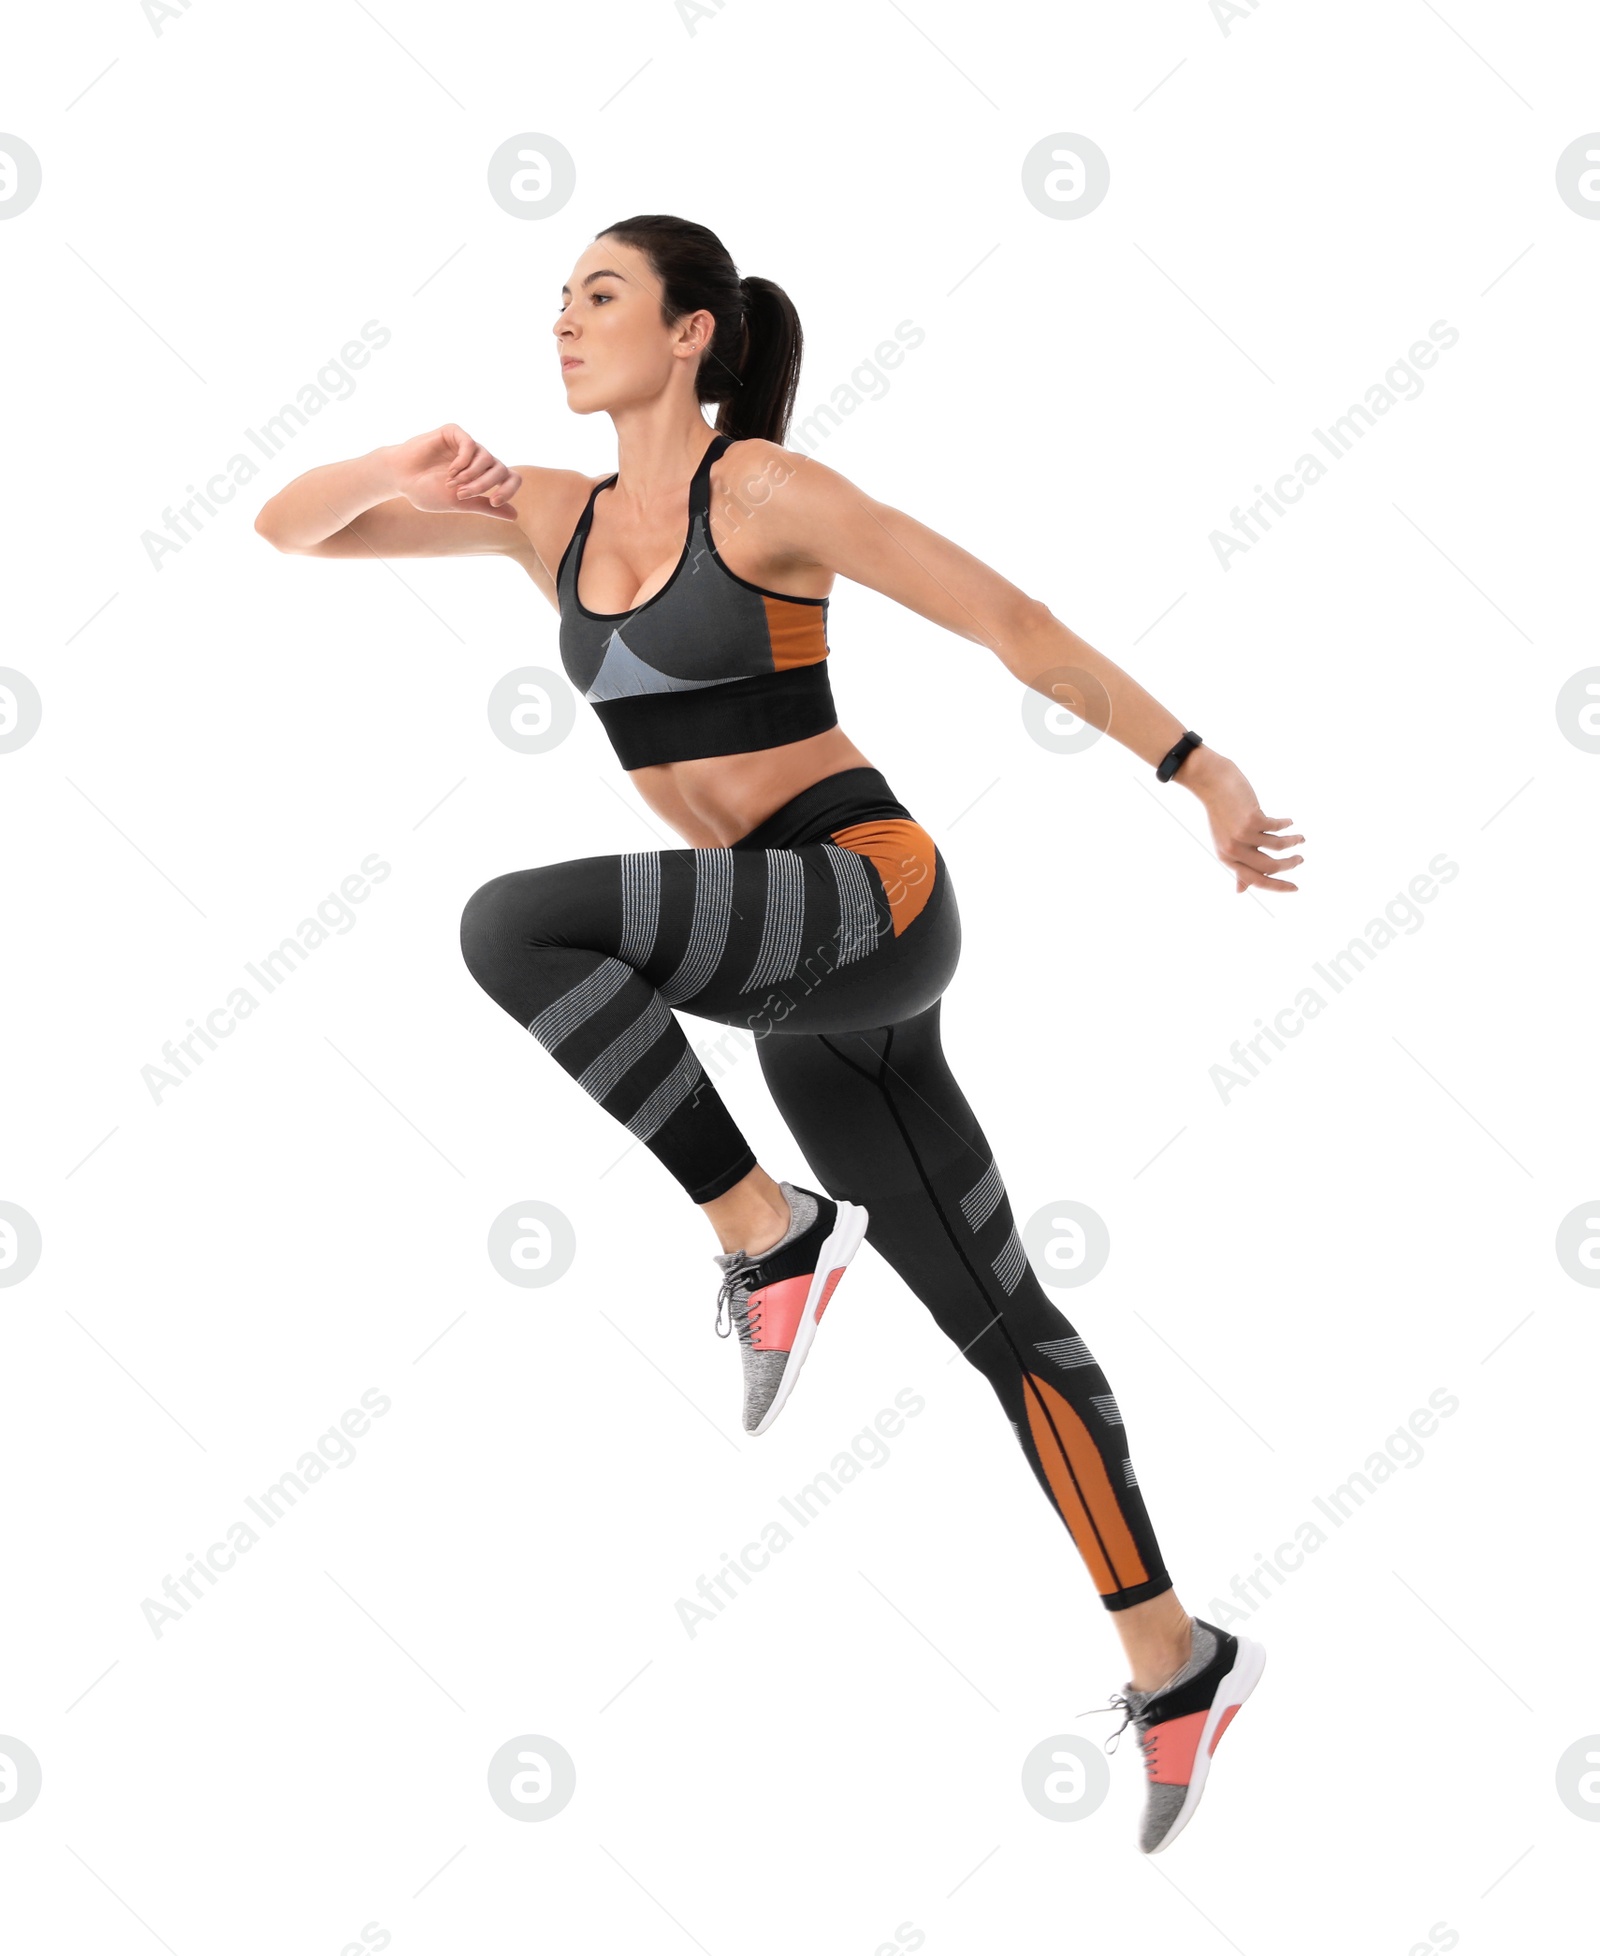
{"points": [[933, 1196]]}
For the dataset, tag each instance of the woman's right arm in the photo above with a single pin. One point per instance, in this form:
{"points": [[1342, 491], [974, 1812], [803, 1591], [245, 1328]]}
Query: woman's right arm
{"points": [[438, 494]]}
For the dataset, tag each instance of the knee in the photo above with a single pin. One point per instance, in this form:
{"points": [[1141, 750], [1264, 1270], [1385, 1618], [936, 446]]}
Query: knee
{"points": [[553, 907], [497, 917]]}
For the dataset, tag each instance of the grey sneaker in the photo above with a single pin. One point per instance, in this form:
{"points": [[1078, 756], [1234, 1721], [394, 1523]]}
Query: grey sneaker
{"points": [[775, 1299], [1180, 1723]]}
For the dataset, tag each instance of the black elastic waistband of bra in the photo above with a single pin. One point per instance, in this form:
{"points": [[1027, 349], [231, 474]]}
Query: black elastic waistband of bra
{"points": [[854, 794], [764, 709]]}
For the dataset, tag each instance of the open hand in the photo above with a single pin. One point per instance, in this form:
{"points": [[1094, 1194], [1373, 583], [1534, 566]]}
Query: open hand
{"points": [[1239, 830]]}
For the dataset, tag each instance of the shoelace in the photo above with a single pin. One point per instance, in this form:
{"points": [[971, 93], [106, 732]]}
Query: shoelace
{"points": [[1149, 1737], [1117, 1702], [733, 1296], [1148, 1742]]}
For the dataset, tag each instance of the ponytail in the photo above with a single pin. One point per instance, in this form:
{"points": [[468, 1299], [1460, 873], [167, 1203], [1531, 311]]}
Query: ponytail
{"points": [[751, 367]]}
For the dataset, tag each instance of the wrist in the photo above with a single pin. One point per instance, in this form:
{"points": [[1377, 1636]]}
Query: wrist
{"points": [[381, 471], [1200, 769]]}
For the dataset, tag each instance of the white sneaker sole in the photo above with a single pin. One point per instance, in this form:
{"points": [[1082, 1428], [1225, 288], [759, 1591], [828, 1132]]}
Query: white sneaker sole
{"points": [[1249, 1661], [849, 1231]]}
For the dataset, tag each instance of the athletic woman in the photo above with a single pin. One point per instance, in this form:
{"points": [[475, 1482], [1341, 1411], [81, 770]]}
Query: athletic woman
{"points": [[810, 907]]}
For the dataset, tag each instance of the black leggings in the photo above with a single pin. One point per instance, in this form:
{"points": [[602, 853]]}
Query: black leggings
{"points": [[835, 959]]}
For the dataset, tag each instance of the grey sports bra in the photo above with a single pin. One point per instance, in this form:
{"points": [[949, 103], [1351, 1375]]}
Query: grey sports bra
{"points": [[710, 664]]}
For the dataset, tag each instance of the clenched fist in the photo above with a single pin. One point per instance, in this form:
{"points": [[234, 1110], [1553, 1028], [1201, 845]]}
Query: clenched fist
{"points": [[448, 470]]}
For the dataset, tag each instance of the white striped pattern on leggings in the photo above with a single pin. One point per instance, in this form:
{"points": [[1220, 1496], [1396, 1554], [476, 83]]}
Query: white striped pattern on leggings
{"points": [[860, 930]]}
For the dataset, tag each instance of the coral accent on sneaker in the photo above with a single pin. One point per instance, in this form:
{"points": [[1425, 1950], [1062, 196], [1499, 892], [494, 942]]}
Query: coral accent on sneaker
{"points": [[781, 1306], [827, 1291], [1170, 1748], [1222, 1726]]}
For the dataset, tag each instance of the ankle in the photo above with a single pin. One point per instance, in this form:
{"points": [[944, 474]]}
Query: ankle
{"points": [[773, 1229], [1158, 1661], [752, 1216]]}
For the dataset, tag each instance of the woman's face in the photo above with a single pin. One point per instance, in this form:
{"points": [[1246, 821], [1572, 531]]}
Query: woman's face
{"points": [[613, 347]]}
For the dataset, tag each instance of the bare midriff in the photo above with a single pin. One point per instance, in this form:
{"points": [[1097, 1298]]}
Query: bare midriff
{"points": [[713, 802]]}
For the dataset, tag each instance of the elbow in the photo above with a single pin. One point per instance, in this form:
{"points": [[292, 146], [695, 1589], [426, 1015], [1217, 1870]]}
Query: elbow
{"points": [[1024, 620], [266, 529]]}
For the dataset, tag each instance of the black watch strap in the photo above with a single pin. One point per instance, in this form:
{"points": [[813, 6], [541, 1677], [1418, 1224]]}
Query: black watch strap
{"points": [[1176, 755]]}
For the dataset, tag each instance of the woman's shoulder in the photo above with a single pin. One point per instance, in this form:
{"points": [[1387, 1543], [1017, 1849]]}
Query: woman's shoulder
{"points": [[549, 505], [749, 462]]}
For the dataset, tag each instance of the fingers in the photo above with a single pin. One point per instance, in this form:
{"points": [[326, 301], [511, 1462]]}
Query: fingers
{"points": [[1258, 831], [478, 480], [1246, 855], [488, 489], [1246, 851], [1241, 849], [484, 475], [469, 464], [1251, 878], [499, 484], [479, 463]]}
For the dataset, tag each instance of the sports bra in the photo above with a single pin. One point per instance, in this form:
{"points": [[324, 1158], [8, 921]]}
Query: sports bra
{"points": [[711, 664]]}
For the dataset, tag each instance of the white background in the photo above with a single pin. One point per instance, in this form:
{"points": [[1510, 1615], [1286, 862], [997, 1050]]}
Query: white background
{"points": [[837, 1756]]}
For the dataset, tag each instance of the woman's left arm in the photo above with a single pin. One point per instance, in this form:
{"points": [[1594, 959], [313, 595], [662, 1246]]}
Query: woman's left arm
{"points": [[822, 519]]}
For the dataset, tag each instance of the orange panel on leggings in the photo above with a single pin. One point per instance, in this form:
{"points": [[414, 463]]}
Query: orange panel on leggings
{"points": [[1082, 1489], [902, 854]]}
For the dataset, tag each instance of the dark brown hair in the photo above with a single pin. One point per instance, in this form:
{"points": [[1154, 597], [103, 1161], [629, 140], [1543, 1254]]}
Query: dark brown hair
{"points": [[751, 367]]}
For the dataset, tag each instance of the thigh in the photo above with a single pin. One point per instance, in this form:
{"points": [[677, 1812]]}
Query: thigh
{"points": [[881, 1121], [814, 938], [879, 1116]]}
